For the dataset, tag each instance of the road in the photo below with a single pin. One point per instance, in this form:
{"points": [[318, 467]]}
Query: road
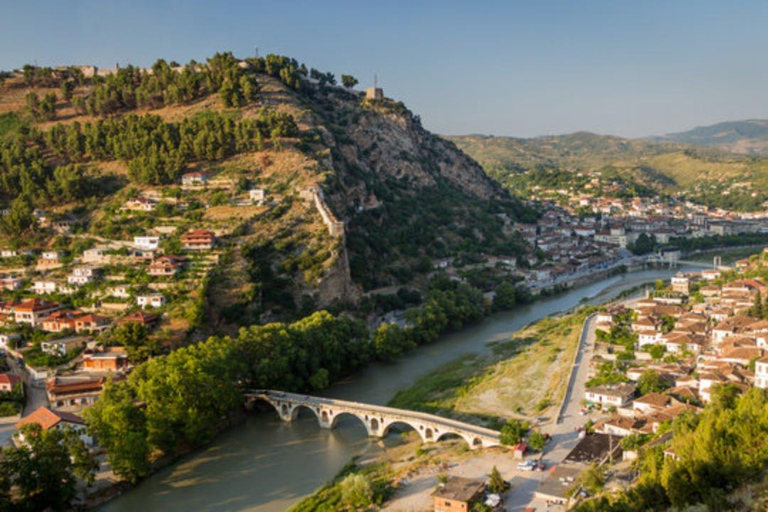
{"points": [[563, 432], [524, 483]]}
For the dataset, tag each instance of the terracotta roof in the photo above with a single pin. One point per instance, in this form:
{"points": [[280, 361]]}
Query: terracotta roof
{"points": [[48, 418], [8, 378], [33, 305], [656, 400]]}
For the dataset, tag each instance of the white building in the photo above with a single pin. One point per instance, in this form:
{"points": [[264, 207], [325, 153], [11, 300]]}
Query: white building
{"points": [[152, 300], [146, 243], [761, 373], [257, 195]]}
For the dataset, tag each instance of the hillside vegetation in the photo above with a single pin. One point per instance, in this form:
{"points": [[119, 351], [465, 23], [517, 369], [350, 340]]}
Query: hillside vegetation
{"points": [[705, 175]]}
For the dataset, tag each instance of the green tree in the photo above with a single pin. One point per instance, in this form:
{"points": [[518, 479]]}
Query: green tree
{"points": [[513, 432], [657, 351], [119, 425], [651, 382], [496, 483], [506, 296], [757, 307], [391, 342], [45, 468], [537, 440], [348, 81]]}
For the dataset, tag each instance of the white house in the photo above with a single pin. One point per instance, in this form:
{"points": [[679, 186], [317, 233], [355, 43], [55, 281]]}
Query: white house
{"points": [[44, 286], [62, 347], [49, 419], [82, 275], [152, 300], [612, 395], [257, 195], [194, 179], [7, 339], [761, 373], [122, 291], [146, 243]]}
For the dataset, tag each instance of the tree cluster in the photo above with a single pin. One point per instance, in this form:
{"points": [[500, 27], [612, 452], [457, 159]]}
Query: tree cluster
{"points": [[188, 394]]}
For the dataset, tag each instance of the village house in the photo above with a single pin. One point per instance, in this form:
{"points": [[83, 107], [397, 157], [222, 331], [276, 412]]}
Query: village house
{"points": [[83, 275], [92, 323], [63, 346], [10, 282], [616, 395], [60, 321], [112, 359], [458, 494], [146, 243], [50, 258], [257, 195], [761, 373], [8, 340], [96, 255], [9, 382], [121, 291], [151, 300], [44, 286], [194, 179], [33, 311], [653, 402], [198, 239], [140, 204], [166, 266], [140, 318], [49, 419]]}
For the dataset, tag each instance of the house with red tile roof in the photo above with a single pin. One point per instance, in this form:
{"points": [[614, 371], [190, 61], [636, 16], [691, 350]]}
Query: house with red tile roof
{"points": [[198, 240], [51, 419], [33, 311]]}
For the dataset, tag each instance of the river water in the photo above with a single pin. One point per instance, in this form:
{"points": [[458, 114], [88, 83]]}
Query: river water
{"points": [[266, 465]]}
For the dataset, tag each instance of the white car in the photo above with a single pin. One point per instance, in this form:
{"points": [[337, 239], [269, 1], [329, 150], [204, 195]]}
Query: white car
{"points": [[527, 465]]}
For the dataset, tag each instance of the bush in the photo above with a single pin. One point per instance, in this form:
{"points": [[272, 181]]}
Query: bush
{"points": [[356, 491]]}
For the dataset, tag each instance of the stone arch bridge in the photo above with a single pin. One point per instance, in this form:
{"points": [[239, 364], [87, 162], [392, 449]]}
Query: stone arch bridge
{"points": [[376, 419]]}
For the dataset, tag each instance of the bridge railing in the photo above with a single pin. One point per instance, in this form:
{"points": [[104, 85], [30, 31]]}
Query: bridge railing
{"points": [[389, 411]]}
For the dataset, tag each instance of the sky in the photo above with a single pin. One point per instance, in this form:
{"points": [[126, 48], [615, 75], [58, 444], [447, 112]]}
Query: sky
{"points": [[515, 68]]}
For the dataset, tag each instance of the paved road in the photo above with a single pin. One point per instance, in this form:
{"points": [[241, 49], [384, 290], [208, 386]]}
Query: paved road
{"points": [[564, 436]]}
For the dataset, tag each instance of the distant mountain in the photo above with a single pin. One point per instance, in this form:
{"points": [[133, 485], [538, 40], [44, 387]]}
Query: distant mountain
{"points": [[743, 137]]}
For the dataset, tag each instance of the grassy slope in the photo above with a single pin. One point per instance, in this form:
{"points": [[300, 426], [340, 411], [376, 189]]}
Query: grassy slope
{"points": [[522, 377]]}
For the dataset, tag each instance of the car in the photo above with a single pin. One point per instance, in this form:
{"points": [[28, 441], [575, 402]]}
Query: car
{"points": [[527, 465]]}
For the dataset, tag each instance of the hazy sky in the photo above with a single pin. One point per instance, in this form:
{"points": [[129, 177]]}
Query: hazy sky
{"points": [[520, 68]]}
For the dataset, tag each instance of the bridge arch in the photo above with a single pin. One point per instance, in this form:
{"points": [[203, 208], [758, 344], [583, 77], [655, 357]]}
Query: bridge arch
{"points": [[334, 419], [419, 429], [473, 442]]}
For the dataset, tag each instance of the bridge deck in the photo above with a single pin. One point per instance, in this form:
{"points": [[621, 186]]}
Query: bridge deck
{"points": [[380, 409]]}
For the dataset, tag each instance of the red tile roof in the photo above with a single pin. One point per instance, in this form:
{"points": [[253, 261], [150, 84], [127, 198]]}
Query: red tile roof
{"points": [[48, 418]]}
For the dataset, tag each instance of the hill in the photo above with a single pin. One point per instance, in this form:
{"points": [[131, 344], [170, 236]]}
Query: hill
{"points": [[708, 176], [749, 137], [357, 194]]}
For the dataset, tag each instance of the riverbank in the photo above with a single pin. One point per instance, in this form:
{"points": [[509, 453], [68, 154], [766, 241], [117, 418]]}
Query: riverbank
{"points": [[524, 377]]}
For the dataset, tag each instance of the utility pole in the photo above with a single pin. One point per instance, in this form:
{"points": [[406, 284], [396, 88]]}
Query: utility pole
{"points": [[256, 52]]}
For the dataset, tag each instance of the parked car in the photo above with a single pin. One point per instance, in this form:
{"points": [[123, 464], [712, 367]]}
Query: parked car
{"points": [[528, 465]]}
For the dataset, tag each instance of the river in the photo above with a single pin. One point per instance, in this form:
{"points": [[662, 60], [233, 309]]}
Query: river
{"points": [[266, 465]]}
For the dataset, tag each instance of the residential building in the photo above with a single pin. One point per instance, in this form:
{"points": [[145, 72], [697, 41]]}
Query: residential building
{"points": [[194, 179], [140, 204], [112, 359], [141, 318], [761, 373], [458, 494], [63, 346], [49, 419], [33, 311], [166, 266], [198, 239], [9, 382], [257, 195], [151, 300], [146, 243], [616, 395], [92, 323]]}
